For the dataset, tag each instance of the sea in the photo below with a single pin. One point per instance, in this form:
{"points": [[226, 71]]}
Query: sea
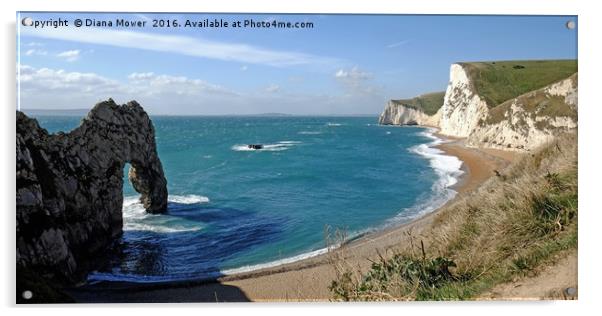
{"points": [[234, 209]]}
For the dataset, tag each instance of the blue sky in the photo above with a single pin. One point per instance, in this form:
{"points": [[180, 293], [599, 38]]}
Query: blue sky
{"points": [[345, 64]]}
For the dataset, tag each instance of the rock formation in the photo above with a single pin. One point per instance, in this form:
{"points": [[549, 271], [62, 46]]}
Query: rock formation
{"points": [[530, 120], [519, 124], [399, 114], [462, 107], [69, 187]]}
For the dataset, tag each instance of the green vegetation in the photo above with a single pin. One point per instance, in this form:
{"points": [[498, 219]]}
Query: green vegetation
{"points": [[429, 103], [537, 102], [516, 223], [500, 81]]}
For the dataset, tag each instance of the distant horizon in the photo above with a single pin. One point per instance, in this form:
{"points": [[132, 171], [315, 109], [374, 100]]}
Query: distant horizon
{"points": [[83, 111], [80, 112], [341, 65]]}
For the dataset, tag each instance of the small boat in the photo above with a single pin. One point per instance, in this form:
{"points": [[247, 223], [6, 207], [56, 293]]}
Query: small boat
{"points": [[255, 146]]}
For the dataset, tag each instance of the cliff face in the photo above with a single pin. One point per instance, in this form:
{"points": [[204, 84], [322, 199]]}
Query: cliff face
{"points": [[69, 187], [399, 114], [530, 120], [462, 107], [520, 124]]}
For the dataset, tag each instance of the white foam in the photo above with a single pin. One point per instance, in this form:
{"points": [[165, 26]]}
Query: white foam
{"points": [[303, 256], [309, 133], [333, 124], [135, 217], [276, 263], [188, 199], [279, 146], [448, 169], [242, 148]]}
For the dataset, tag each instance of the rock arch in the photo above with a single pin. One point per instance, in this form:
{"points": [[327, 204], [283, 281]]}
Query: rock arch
{"points": [[70, 187]]}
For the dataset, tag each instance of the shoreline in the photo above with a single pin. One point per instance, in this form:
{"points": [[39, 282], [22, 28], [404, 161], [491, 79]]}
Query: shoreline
{"points": [[306, 279]]}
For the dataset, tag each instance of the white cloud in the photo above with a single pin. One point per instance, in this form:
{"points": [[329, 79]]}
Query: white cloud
{"points": [[33, 51], [244, 68], [49, 82], [353, 74], [272, 88], [397, 44], [185, 45], [149, 83], [355, 81], [52, 88], [170, 94], [69, 55]]}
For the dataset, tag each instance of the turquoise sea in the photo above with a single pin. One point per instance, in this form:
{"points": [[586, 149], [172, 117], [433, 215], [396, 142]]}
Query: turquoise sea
{"points": [[234, 209]]}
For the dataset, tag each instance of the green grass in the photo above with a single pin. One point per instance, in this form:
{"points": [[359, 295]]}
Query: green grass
{"points": [[537, 103], [513, 226], [500, 81], [429, 103]]}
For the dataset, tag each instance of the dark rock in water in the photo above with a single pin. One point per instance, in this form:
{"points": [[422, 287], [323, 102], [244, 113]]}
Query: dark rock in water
{"points": [[70, 187], [255, 146]]}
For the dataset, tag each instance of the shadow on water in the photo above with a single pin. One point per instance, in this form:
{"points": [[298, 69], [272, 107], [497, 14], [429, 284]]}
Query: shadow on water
{"points": [[185, 266]]}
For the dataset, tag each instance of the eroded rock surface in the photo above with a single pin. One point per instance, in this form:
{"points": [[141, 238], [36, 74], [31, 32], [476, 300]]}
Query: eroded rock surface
{"points": [[400, 114], [520, 124], [530, 120], [69, 187]]}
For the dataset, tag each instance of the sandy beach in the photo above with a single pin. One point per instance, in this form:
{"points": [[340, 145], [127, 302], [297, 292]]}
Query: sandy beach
{"points": [[308, 279]]}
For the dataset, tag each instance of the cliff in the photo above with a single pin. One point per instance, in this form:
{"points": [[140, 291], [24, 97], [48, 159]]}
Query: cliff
{"points": [[462, 107], [530, 120], [510, 105], [401, 114], [421, 110], [69, 187]]}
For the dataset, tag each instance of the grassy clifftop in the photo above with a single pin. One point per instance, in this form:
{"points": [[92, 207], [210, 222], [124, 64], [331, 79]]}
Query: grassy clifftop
{"points": [[499, 81], [429, 103], [537, 102]]}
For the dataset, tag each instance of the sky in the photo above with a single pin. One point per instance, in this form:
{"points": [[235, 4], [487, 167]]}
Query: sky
{"points": [[344, 64]]}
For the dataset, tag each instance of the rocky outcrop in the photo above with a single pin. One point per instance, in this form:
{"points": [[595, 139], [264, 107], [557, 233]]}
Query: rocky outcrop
{"points": [[69, 187], [519, 124], [530, 120], [399, 114], [462, 107]]}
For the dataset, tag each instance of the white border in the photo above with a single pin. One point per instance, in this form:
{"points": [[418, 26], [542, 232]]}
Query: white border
{"points": [[589, 169]]}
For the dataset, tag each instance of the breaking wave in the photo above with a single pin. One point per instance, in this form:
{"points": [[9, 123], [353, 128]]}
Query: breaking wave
{"points": [[279, 146], [135, 217]]}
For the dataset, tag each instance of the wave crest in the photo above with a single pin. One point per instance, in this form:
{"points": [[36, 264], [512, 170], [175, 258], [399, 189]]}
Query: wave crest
{"points": [[309, 133], [279, 146], [188, 199], [448, 168], [135, 217]]}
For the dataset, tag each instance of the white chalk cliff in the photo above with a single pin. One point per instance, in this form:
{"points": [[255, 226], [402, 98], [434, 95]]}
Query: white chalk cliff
{"points": [[532, 119], [398, 114], [519, 124], [462, 107]]}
